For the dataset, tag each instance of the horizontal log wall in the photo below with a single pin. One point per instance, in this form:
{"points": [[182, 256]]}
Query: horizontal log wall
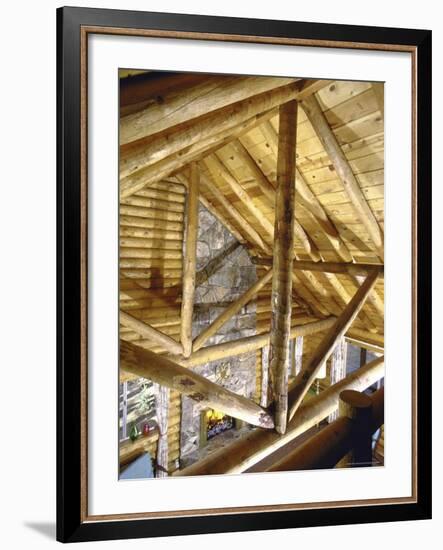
{"points": [[151, 243]]}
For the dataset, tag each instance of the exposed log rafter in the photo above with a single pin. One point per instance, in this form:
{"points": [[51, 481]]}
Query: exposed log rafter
{"points": [[175, 107], [306, 377], [147, 364], [242, 454], [306, 199], [146, 165], [351, 186], [294, 227], [145, 330], [235, 214], [249, 343], [230, 311]]}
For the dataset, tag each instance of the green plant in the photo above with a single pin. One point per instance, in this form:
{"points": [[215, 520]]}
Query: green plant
{"points": [[133, 433], [146, 399]]}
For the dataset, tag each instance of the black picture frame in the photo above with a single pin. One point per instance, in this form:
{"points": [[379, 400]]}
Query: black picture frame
{"points": [[72, 525]]}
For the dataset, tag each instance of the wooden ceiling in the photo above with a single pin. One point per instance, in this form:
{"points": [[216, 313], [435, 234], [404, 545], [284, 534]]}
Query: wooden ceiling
{"points": [[229, 125]]}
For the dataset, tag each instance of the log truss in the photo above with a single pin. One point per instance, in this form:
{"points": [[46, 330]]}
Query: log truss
{"points": [[303, 196]]}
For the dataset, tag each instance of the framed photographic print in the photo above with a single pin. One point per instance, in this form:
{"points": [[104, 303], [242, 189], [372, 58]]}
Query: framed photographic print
{"points": [[243, 274]]}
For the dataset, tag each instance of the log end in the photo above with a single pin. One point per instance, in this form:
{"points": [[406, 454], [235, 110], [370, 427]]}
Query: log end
{"points": [[266, 421], [281, 419]]}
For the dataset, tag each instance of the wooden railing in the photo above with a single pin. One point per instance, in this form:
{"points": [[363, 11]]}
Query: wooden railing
{"points": [[345, 442]]}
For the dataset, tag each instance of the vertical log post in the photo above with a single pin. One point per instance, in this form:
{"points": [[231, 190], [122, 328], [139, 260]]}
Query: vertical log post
{"points": [[298, 354], [338, 369], [264, 376], [363, 355], [162, 408], [282, 261], [357, 407], [189, 261]]}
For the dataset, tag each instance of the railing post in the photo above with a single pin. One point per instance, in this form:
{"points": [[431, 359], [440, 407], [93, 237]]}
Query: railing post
{"points": [[357, 407]]}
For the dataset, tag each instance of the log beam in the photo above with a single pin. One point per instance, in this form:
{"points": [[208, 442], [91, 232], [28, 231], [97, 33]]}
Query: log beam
{"points": [[217, 168], [189, 260], [250, 343], [241, 346], [379, 91], [367, 340], [159, 146], [307, 200], [312, 205], [215, 136], [350, 268], [235, 214], [230, 311], [327, 447], [147, 87], [158, 171], [338, 368], [357, 407], [281, 298], [268, 190], [256, 172], [306, 377], [316, 306], [184, 104], [342, 167], [345, 297], [145, 330], [373, 298], [219, 171], [165, 372], [257, 445]]}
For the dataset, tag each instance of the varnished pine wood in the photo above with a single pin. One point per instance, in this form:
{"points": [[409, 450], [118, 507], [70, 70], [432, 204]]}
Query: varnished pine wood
{"points": [[182, 104], [166, 342], [254, 446], [326, 448], [154, 173], [250, 343], [343, 169], [176, 138], [306, 199], [230, 311], [282, 262], [190, 260], [234, 213], [146, 364], [352, 268], [306, 377]]}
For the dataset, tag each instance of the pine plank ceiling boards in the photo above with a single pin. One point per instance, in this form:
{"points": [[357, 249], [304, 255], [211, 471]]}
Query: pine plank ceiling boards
{"points": [[293, 169]]}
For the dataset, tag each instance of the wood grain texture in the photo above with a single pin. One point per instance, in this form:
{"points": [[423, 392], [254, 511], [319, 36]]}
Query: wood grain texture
{"points": [[281, 298], [184, 103], [253, 447], [230, 311], [166, 342], [165, 372], [190, 260], [343, 169], [306, 377]]}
